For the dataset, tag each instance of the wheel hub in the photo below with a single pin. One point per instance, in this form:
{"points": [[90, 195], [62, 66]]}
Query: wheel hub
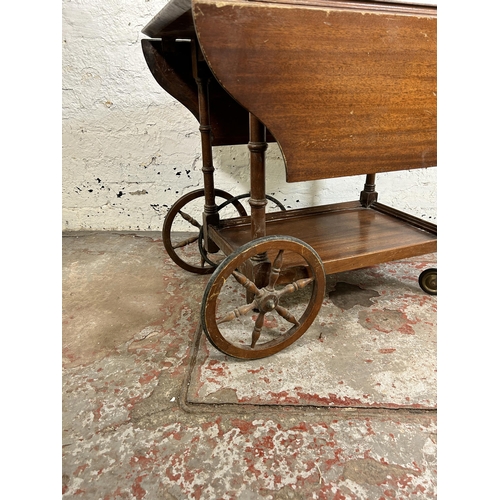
{"points": [[431, 282], [268, 303]]}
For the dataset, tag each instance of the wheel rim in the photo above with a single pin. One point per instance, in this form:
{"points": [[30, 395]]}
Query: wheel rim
{"points": [[263, 340], [428, 281], [247, 195], [179, 250], [203, 252]]}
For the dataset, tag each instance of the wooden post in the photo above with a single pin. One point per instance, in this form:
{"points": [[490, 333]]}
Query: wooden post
{"points": [[258, 146], [201, 74], [257, 201], [369, 195]]}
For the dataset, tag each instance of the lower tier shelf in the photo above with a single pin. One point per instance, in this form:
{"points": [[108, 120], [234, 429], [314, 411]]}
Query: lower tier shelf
{"points": [[345, 235]]}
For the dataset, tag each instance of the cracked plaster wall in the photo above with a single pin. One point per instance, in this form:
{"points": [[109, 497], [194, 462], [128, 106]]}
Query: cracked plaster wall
{"points": [[130, 150]]}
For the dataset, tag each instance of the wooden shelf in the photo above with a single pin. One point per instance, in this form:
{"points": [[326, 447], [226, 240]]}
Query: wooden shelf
{"points": [[345, 235]]}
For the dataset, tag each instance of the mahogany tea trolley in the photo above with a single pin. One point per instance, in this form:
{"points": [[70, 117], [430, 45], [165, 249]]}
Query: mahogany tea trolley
{"points": [[345, 87]]}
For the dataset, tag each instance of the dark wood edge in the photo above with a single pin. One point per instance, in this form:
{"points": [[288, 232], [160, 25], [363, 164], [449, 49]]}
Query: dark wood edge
{"points": [[221, 242], [170, 13], [353, 262], [294, 213], [173, 11], [177, 12], [362, 5], [335, 207], [410, 219], [174, 85]]}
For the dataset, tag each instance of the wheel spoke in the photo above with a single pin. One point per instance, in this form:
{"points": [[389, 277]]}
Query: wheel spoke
{"points": [[236, 313], [190, 219], [286, 314], [259, 323], [186, 242], [275, 270], [248, 284], [296, 285]]}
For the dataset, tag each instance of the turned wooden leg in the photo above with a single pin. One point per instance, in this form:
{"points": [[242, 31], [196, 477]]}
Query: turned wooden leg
{"points": [[258, 146], [369, 195], [257, 201], [210, 215]]}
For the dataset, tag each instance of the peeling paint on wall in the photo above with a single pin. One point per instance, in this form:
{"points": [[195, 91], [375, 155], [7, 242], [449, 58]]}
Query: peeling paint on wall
{"points": [[130, 150]]}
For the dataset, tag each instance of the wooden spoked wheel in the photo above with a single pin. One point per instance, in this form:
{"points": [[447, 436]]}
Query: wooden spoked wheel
{"points": [[182, 246], [428, 281], [280, 312]]}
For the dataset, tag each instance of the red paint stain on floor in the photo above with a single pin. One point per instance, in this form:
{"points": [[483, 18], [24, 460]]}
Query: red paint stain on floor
{"points": [[244, 426], [407, 330], [97, 411], [256, 370], [80, 469], [138, 491], [149, 376]]}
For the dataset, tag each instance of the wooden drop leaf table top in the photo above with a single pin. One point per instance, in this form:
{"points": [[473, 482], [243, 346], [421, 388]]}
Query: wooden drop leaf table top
{"points": [[344, 87]]}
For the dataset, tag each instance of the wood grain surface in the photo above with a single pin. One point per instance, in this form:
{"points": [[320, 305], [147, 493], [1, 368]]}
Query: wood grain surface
{"points": [[171, 66], [345, 235], [344, 91]]}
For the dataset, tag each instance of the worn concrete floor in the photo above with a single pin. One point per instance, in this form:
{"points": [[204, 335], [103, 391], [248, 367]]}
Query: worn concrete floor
{"points": [[152, 411]]}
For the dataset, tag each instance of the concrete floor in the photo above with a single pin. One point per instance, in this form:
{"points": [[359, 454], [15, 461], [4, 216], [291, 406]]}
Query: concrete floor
{"points": [[152, 411]]}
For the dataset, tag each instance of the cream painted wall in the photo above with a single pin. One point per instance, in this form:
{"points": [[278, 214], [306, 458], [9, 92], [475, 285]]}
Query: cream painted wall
{"points": [[130, 150]]}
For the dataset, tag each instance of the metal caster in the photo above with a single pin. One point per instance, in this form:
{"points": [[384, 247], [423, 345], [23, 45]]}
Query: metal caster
{"points": [[428, 281]]}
